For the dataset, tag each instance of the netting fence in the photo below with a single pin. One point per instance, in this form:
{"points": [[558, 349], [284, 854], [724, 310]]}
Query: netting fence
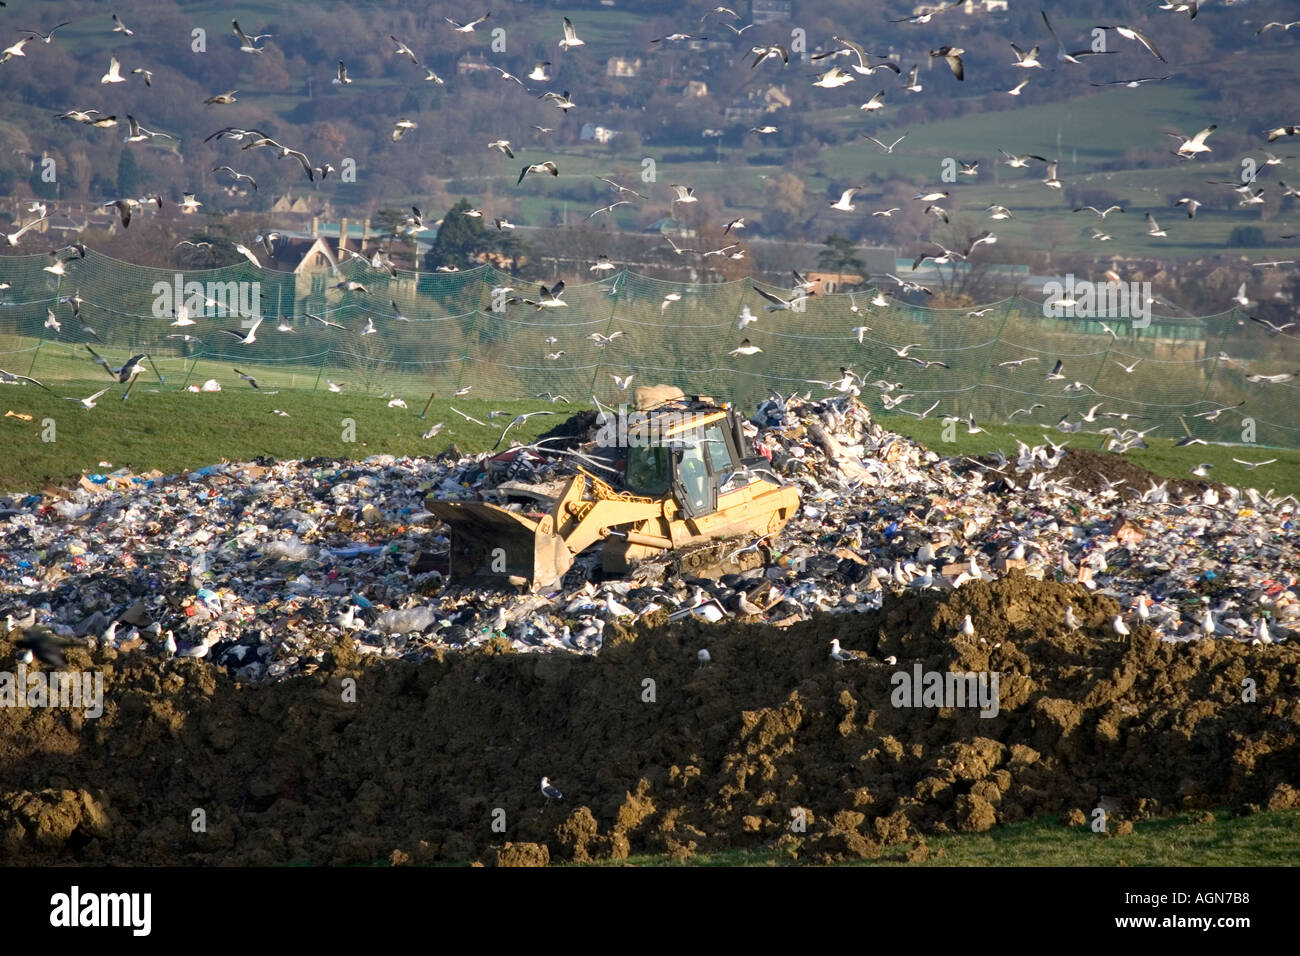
{"points": [[440, 331]]}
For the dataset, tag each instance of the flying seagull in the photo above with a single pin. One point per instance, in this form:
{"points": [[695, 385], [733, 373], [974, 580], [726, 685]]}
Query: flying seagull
{"points": [[246, 377], [238, 175], [570, 36], [114, 74], [404, 50], [546, 167], [888, 149], [45, 37], [12, 378], [845, 202], [13, 237], [467, 27], [248, 339], [16, 50], [1190, 146], [548, 298], [778, 304], [1061, 54], [90, 400], [1129, 33], [247, 45], [952, 56]]}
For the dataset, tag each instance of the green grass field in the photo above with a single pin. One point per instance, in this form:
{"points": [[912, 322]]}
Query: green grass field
{"points": [[1271, 838], [172, 431]]}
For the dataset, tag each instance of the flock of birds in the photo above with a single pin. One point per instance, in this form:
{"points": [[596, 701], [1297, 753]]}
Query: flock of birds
{"points": [[858, 63]]}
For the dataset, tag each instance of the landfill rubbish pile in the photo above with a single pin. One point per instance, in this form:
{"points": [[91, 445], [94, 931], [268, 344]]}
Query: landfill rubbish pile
{"points": [[1121, 612]]}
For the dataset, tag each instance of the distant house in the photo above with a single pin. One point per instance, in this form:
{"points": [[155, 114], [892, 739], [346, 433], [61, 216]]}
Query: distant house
{"points": [[472, 63], [829, 282], [984, 6], [696, 89], [770, 11], [622, 67], [668, 226], [598, 134], [775, 98]]}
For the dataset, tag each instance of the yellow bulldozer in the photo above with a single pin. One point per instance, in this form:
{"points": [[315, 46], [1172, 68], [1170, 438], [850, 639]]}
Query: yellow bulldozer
{"points": [[693, 488]]}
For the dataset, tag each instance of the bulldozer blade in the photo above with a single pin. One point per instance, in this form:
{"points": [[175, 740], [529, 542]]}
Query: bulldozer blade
{"points": [[490, 545]]}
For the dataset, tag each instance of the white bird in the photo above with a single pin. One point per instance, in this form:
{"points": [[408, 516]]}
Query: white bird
{"points": [[15, 50], [1155, 229], [570, 36], [747, 318], [839, 655], [1190, 146], [120, 27], [89, 402], [703, 656], [967, 627], [745, 348], [546, 167], [844, 203], [1118, 625], [832, 78], [615, 609], [248, 339], [247, 254], [1070, 620], [13, 237], [114, 74], [622, 383], [550, 792], [247, 45], [683, 194], [1261, 632], [1208, 626], [341, 77], [877, 102], [1026, 60]]}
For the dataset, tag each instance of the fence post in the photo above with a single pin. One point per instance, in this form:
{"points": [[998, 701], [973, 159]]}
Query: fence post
{"points": [[320, 370], [464, 355], [979, 379], [31, 372], [1209, 377], [193, 365], [613, 310]]}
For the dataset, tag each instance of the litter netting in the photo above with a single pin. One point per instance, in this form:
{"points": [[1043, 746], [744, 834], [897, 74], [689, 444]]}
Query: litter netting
{"points": [[416, 333]]}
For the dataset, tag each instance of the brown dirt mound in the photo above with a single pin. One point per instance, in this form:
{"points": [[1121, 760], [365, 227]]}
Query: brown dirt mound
{"points": [[1083, 466], [771, 744]]}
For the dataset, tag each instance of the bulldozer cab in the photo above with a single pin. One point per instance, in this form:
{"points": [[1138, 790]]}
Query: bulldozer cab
{"points": [[690, 455]]}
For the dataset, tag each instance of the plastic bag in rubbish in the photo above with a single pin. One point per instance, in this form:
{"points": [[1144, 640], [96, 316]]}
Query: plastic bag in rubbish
{"points": [[289, 549], [400, 622]]}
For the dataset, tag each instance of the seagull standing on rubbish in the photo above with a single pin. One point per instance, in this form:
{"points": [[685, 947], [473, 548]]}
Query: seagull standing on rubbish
{"points": [[839, 655]]}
